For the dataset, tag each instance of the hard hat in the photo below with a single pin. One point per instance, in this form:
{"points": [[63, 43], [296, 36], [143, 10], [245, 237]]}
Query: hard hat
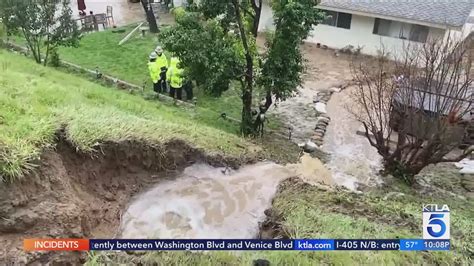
{"points": [[158, 49], [153, 55]]}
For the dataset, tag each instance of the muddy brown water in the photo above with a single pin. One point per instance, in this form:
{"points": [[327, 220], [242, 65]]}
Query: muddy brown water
{"points": [[208, 202], [352, 160]]}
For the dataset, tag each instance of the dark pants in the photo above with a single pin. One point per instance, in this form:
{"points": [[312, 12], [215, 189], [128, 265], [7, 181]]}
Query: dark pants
{"points": [[157, 87], [162, 87], [188, 88], [177, 91]]}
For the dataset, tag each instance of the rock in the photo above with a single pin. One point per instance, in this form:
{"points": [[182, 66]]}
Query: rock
{"points": [[335, 89], [320, 107], [323, 124], [309, 146], [318, 137], [466, 165], [320, 131], [318, 134], [324, 119]]}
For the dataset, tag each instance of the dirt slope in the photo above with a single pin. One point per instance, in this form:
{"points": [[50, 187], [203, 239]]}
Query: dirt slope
{"points": [[81, 196]]}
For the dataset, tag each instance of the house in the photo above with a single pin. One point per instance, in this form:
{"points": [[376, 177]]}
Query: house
{"points": [[426, 110], [393, 24]]}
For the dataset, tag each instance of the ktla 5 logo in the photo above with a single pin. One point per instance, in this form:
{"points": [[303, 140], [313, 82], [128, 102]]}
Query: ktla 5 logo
{"points": [[436, 221]]}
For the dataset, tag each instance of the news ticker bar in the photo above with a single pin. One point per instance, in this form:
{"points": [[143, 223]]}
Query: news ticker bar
{"points": [[234, 244]]}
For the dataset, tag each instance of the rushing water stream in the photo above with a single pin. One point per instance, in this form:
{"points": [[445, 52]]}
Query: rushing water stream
{"points": [[208, 202], [205, 202], [353, 160]]}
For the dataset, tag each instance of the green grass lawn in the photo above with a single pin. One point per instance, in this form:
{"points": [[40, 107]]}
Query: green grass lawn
{"points": [[36, 101], [101, 49], [129, 62]]}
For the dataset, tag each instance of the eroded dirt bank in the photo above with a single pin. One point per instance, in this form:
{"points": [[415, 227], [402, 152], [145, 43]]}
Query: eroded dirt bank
{"points": [[82, 196]]}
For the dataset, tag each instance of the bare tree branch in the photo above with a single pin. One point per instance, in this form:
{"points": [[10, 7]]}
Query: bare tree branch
{"points": [[426, 97]]}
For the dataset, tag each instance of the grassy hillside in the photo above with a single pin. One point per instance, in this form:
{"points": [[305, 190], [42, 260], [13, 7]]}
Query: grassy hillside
{"points": [[129, 62], [35, 102]]}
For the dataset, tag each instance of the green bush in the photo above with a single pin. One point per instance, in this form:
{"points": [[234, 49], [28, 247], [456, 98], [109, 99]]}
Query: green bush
{"points": [[54, 60]]}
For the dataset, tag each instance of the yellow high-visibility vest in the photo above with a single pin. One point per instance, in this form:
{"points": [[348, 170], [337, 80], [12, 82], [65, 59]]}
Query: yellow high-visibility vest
{"points": [[154, 71], [162, 61], [175, 74]]}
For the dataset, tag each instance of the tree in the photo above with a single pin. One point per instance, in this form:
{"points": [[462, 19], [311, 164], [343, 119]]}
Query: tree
{"points": [[284, 61], [416, 109], [150, 16], [221, 45], [212, 58], [45, 24]]}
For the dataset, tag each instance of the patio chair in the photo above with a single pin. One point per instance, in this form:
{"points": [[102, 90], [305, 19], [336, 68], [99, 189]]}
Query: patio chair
{"points": [[88, 23], [110, 16], [101, 19]]}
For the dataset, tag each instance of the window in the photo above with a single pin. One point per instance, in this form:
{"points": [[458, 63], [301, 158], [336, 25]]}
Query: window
{"points": [[400, 30], [419, 33], [338, 19], [331, 18], [344, 20], [382, 26]]}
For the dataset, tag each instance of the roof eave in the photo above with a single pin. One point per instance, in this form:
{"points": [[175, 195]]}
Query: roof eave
{"points": [[375, 15]]}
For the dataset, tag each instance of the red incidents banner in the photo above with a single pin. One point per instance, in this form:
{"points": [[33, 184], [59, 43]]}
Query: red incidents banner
{"points": [[65, 244]]}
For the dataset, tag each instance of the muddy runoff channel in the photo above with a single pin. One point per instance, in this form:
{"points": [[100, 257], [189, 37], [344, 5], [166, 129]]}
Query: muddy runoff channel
{"points": [[353, 163], [209, 202], [133, 190]]}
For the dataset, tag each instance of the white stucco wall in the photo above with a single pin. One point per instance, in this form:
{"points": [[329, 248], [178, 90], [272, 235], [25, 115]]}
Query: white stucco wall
{"points": [[177, 3], [266, 18], [360, 34]]}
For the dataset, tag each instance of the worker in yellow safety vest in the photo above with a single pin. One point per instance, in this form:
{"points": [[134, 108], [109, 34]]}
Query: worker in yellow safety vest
{"points": [[162, 64], [175, 78], [154, 72]]}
